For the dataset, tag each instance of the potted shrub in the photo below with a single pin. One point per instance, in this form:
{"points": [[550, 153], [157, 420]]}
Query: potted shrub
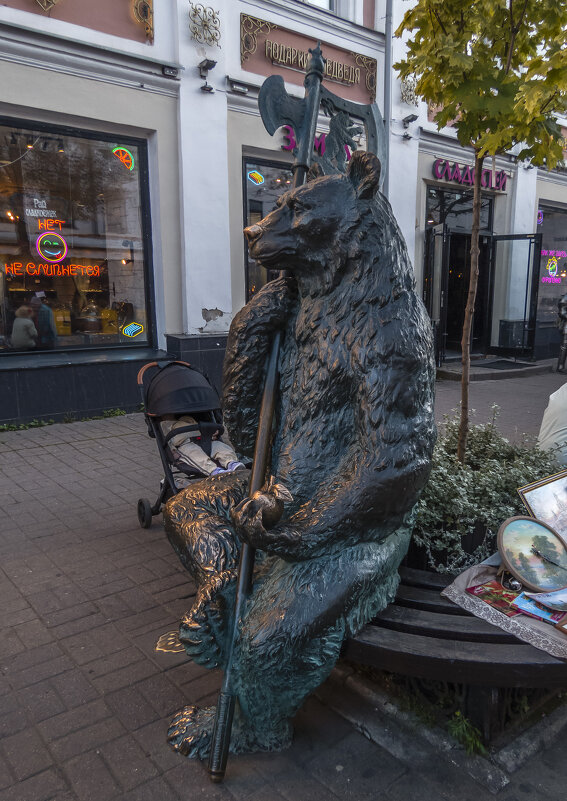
{"points": [[464, 504]]}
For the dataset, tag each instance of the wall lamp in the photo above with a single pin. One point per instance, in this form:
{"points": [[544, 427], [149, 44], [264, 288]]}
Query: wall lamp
{"points": [[128, 243], [205, 66], [409, 119]]}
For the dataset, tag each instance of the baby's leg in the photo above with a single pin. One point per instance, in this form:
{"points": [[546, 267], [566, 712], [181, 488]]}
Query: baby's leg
{"points": [[222, 453], [194, 456]]}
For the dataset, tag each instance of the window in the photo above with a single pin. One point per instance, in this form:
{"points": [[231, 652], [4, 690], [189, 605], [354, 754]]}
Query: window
{"points": [[72, 267], [552, 284], [264, 182], [455, 209]]}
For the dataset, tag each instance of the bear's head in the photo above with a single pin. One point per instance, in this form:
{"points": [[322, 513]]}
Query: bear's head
{"points": [[315, 227]]}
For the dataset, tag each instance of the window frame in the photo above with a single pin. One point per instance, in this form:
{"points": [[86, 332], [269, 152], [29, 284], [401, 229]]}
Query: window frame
{"points": [[264, 162], [145, 221]]}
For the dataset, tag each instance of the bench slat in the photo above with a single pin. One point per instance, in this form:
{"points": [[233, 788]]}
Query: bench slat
{"points": [[423, 578], [498, 665], [447, 627], [427, 600]]}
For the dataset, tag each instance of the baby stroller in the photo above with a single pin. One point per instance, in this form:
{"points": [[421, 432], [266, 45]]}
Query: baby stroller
{"points": [[176, 389]]}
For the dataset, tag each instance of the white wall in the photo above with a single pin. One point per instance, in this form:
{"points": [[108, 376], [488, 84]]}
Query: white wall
{"points": [[203, 168], [60, 97]]}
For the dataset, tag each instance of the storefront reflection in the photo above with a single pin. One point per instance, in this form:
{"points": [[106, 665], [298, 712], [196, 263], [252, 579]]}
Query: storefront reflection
{"points": [[71, 240]]}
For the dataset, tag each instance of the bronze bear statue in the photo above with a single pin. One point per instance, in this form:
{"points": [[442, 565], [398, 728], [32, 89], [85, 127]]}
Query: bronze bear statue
{"points": [[353, 436]]}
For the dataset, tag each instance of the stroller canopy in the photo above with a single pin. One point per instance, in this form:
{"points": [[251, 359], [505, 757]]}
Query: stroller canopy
{"points": [[179, 389]]}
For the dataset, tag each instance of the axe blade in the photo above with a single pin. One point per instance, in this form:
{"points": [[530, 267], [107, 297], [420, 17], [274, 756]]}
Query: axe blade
{"points": [[278, 108]]}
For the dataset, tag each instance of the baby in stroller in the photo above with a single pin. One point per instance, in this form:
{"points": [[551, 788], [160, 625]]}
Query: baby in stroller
{"points": [[183, 415], [187, 446]]}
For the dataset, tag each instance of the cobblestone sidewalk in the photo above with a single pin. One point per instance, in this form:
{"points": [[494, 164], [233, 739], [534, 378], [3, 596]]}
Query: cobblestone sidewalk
{"points": [[84, 698]]}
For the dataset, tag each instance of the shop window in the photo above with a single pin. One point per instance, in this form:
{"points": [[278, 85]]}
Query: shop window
{"points": [[552, 284], [455, 210], [264, 182], [72, 267]]}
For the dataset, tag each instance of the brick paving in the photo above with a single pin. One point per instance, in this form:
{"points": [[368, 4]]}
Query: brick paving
{"points": [[85, 700]]}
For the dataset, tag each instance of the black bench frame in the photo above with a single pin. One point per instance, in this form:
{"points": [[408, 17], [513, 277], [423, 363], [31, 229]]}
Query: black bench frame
{"points": [[426, 636]]}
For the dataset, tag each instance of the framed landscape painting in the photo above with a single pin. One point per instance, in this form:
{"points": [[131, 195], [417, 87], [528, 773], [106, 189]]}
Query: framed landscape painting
{"points": [[534, 553], [546, 500]]}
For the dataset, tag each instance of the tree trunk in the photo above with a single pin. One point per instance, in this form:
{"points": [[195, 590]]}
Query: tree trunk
{"points": [[469, 312]]}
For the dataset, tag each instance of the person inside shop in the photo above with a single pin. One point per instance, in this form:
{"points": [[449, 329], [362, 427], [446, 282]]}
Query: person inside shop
{"points": [[45, 324], [24, 332], [186, 448]]}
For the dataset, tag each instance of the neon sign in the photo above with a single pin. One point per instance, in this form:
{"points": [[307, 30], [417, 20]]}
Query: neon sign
{"points": [[125, 156], [51, 247], [539, 216], [40, 209], [49, 225], [256, 177], [464, 175], [551, 266], [559, 254], [18, 268], [133, 329]]}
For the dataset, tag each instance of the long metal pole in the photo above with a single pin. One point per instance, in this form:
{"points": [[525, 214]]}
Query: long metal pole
{"points": [[388, 34], [220, 740]]}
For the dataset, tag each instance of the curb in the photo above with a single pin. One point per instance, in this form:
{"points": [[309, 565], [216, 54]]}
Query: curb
{"points": [[400, 732], [488, 374]]}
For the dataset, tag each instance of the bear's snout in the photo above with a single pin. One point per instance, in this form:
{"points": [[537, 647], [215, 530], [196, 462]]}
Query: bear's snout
{"points": [[252, 233]]}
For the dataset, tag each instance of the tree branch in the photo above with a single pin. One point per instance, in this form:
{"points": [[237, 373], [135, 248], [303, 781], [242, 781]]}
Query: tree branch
{"points": [[514, 28], [439, 20], [548, 101]]}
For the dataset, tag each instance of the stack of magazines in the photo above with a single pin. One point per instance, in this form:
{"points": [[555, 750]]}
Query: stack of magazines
{"points": [[551, 607]]}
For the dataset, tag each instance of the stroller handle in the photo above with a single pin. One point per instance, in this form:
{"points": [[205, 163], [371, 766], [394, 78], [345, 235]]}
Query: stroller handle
{"points": [[142, 370]]}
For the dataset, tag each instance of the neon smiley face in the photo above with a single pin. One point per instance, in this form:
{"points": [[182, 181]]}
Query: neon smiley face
{"points": [[551, 266], [51, 247]]}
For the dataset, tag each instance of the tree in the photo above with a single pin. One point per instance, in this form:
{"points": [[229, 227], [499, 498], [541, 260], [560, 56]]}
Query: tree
{"points": [[496, 69]]}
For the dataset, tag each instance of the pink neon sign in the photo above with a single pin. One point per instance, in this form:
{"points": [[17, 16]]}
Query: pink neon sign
{"points": [[464, 175]]}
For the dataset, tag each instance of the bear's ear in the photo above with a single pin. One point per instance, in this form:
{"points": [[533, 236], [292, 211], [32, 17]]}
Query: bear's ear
{"points": [[364, 172]]}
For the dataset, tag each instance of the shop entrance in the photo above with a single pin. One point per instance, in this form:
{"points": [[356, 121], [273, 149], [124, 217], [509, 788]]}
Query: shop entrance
{"points": [[446, 286], [506, 301], [457, 279]]}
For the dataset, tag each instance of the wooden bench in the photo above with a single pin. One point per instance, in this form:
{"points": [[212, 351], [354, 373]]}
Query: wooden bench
{"points": [[426, 636]]}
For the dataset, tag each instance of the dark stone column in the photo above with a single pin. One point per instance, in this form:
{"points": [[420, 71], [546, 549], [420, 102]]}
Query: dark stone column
{"points": [[206, 353]]}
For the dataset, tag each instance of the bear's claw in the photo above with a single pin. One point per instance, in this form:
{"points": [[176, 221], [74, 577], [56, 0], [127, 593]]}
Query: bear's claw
{"points": [[190, 731]]}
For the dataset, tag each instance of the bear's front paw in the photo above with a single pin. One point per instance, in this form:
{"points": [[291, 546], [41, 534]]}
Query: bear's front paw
{"points": [[247, 519], [190, 731], [276, 301]]}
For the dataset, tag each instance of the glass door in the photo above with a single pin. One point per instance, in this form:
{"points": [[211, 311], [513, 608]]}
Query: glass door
{"points": [[435, 285], [513, 294]]}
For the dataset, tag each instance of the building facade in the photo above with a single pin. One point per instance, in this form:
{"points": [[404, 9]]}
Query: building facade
{"points": [[132, 154]]}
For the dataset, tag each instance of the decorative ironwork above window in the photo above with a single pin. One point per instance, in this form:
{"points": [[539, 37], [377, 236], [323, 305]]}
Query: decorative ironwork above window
{"points": [[204, 24], [370, 68], [250, 27], [47, 5], [144, 13]]}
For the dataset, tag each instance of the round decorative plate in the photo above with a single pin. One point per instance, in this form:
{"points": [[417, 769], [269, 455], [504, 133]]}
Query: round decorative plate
{"points": [[534, 553]]}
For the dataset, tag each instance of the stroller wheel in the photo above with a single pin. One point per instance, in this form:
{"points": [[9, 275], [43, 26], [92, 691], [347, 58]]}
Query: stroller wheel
{"points": [[144, 513]]}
